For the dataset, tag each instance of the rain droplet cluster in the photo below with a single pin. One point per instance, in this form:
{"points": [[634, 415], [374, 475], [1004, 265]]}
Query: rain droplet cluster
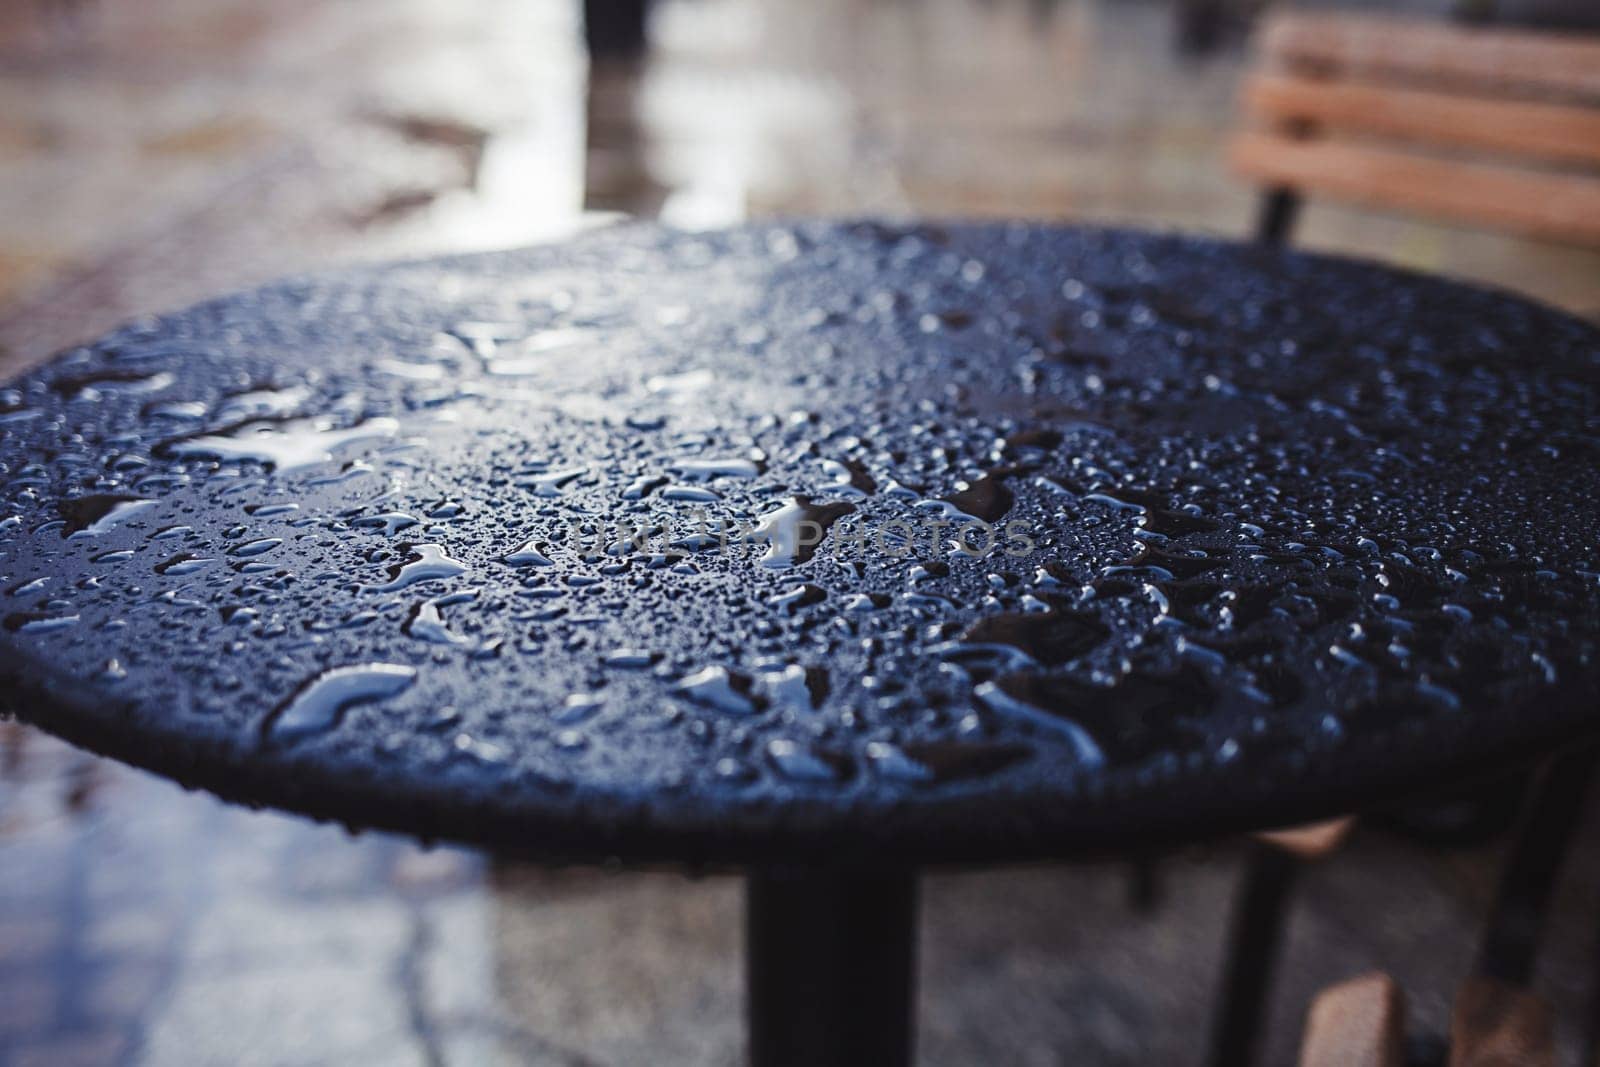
{"points": [[432, 524]]}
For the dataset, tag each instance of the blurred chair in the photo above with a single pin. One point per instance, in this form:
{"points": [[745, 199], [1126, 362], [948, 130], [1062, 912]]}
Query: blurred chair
{"points": [[1361, 1023], [1487, 125], [1358, 1023], [1496, 1020], [1493, 1024], [1259, 912]]}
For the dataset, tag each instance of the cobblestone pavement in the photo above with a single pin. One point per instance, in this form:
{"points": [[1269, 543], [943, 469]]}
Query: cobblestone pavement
{"points": [[156, 152]]}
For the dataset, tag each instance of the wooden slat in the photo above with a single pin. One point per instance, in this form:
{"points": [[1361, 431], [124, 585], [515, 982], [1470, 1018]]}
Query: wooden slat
{"points": [[1495, 1025], [1311, 841], [1556, 207], [1554, 132], [1359, 1023], [1489, 58]]}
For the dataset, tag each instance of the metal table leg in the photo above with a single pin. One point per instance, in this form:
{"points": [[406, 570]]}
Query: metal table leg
{"points": [[1279, 209], [1252, 951], [830, 968], [615, 27]]}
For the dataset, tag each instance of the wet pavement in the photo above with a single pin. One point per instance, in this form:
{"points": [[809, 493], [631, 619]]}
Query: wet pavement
{"points": [[142, 924], [157, 153]]}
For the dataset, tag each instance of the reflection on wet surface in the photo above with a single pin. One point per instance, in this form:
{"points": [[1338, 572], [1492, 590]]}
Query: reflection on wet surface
{"points": [[140, 923], [142, 173]]}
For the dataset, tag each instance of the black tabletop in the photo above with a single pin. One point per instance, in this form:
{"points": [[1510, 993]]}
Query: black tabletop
{"points": [[806, 541]]}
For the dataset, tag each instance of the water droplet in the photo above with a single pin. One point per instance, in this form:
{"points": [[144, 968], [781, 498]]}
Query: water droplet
{"points": [[691, 494], [416, 372], [807, 764], [267, 511], [796, 686], [793, 532], [284, 446], [579, 707], [317, 705], [426, 623], [792, 600], [936, 762], [721, 689], [88, 516], [427, 562], [551, 483], [1083, 746], [529, 555], [93, 386], [704, 470], [632, 659], [986, 499], [263, 403], [390, 522], [642, 486], [30, 586], [480, 751], [181, 564], [38, 622], [850, 479]]}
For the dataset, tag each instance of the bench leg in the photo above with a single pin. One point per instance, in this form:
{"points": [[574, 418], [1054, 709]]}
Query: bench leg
{"points": [[1591, 1037], [1528, 879], [1256, 928], [1199, 28], [1144, 884], [1276, 216], [830, 968]]}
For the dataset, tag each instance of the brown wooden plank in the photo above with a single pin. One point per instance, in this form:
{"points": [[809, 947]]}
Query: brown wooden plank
{"points": [[1312, 840], [1555, 207], [1491, 59], [1554, 132], [1496, 1025], [1359, 1023]]}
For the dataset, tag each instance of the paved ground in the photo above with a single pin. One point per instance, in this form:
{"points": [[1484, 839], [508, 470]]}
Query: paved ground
{"points": [[156, 152]]}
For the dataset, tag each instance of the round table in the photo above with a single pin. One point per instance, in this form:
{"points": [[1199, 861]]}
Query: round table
{"points": [[827, 550]]}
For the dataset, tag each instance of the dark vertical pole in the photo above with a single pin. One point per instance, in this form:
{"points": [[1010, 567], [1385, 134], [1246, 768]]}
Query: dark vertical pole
{"points": [[1253, 936], [1277, 213], [616, 172], [614, 27], [1144, 884], [1528, 879], [1199, 26], [831, 961], [1591, 1036]]}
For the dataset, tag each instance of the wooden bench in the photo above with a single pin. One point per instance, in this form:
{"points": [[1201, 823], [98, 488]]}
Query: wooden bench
{"points": [[1489, 126], [1358, 1023], [1260, 909], [1497, 1020], [1361, 1023]]}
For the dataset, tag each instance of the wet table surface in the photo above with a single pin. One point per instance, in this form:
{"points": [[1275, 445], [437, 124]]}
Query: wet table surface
{"points": [[819, 540]]}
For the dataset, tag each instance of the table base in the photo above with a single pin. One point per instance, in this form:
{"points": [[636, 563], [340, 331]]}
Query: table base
{"points": [[830, 968]]}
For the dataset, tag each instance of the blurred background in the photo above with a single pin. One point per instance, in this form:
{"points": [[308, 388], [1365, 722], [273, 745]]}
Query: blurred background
{"points": [[155, 152]]}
